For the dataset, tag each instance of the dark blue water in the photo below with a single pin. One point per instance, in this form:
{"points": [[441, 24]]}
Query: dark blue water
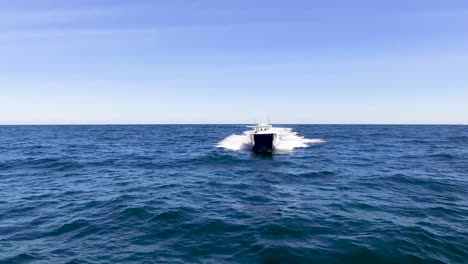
{"points": [[166, 194]]}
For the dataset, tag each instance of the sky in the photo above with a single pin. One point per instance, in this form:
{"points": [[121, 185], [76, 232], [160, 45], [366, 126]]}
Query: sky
{"points": [[211, 61]]}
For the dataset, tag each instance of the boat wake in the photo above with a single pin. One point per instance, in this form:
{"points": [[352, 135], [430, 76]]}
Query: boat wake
{"points": [[288, 140]]}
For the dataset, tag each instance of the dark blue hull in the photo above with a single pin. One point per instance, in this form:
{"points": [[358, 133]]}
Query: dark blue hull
{"points": [[263, 143]]}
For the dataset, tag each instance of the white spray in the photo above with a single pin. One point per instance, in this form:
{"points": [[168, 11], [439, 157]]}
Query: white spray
{"points": [[288, 140]]}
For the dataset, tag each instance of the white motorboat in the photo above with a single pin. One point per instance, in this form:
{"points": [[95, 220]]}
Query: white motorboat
{"points": [[264, 139]]}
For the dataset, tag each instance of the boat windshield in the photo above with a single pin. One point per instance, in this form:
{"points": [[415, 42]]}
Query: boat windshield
{"points": [[262, 127]]}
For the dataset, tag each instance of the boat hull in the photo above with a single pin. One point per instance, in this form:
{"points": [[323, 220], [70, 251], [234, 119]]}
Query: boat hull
{"points": [[263, 143]]}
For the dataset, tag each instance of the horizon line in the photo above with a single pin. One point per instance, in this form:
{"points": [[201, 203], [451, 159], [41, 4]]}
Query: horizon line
{"points": [[149, 124]]}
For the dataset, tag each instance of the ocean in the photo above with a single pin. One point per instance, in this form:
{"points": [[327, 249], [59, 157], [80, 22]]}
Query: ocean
{"points": [[178, 194]]}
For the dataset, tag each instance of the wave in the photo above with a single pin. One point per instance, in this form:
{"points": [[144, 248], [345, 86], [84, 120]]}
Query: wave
{"points": [[214, 158], [51, 163], [76, 225], [316, 174], [20, 258], [443, 156], [288, 140]]}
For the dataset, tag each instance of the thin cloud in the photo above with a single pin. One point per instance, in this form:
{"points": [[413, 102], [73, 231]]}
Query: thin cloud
{"points": [[58, 16], [438, 15]]}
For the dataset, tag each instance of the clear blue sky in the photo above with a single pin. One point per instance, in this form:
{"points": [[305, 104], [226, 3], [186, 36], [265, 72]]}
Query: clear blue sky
{"points": [[211, 61]]}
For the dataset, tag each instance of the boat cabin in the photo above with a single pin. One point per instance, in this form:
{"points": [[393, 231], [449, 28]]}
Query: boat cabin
{"points": [[262, 128]]}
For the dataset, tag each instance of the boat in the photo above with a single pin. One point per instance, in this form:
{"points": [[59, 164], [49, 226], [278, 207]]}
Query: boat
{"points": [[264, 139]]}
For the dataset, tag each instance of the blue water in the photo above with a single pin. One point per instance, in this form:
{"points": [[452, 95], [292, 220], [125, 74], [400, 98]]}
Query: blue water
{"points": [[166, 194]]}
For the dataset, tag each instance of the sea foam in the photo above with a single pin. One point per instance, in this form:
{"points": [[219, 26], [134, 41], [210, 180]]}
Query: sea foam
{"points": [[288, 140]]}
